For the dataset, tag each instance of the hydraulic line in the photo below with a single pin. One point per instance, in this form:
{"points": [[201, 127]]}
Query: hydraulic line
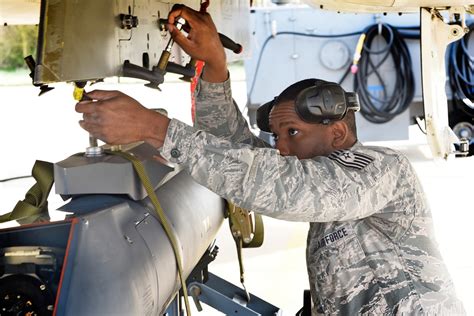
{"points": [[389, 104], [461, 74]]}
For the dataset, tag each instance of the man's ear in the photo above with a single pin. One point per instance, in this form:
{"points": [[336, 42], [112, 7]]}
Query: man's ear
{"points": [[340, 133]]}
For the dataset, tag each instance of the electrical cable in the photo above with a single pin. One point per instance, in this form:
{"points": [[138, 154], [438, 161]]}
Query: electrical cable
{"points": [[383, 109], [14, 178], [461, 74], [344, 76]]}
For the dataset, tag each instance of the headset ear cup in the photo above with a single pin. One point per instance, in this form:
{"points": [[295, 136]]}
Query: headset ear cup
{"points": [[352, 101], [301, 102], [263, 113]]}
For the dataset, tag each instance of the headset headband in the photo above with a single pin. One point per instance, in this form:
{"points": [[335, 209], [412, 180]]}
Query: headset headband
{"points": [[322, 103]]}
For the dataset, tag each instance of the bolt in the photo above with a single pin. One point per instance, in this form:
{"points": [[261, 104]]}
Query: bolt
{"points": [[50, 307], [94, 151], [42, 287], [128, 239], [464, 146]]}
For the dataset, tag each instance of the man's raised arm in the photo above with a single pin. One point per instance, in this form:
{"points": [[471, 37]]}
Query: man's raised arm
{"points": [[216, 111]]}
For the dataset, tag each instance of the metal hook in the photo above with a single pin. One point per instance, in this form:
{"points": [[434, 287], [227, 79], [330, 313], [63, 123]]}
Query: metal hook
{"points": [[378, 21]]}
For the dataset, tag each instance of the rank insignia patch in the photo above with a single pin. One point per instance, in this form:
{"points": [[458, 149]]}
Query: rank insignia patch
{"points": [[351, 159]]}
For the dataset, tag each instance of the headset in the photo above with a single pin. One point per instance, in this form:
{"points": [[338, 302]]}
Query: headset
{"points": [[321, 103]]}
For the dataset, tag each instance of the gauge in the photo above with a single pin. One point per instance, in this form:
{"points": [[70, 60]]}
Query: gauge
{"points": [[334, 54]]}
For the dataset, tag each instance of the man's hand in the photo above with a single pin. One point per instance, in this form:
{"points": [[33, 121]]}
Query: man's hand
{"points": [[202, 43], [116, 118]]}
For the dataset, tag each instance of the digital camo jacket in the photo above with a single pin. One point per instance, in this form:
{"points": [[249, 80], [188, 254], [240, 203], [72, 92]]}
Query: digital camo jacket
{"points": [[370, 248]]}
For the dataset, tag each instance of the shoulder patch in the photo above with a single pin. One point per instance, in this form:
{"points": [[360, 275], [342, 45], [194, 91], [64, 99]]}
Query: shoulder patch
{"points": [[351, 159]]}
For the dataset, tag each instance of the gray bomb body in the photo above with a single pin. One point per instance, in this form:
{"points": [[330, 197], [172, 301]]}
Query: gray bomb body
{"points": [[120, 259]]}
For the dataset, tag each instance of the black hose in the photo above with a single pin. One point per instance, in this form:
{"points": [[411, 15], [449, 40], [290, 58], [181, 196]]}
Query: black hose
{"points": [[390, 104], [461, 74]]}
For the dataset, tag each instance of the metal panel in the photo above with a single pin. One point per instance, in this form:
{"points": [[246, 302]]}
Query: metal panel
{"points": [[376, 6], [277, 69], [289, 58], [111, 271], [83, 40], [76, 44]]}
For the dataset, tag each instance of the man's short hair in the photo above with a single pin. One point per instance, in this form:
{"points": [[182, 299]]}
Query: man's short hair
{"points": [[351, 122], [291, 92]]}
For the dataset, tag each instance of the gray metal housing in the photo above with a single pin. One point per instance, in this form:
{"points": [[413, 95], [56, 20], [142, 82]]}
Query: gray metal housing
{"points": [[109, 174]]}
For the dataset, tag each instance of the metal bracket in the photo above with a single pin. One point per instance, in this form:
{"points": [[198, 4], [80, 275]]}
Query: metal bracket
{"points": [[229, 299], [219, 294], [436, 35]]}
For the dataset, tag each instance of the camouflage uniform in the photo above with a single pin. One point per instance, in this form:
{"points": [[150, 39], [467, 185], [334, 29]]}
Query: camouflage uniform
{"points": [[370, 247]]}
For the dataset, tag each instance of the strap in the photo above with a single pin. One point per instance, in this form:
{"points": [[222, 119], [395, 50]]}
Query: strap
{"points": [[241, 225], [238, 244], [245, 234], [140, 170], [34, 207]]}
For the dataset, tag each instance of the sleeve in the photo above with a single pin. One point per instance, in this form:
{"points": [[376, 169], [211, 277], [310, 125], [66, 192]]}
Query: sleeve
{"points": [[217, 113], [260, 179]]}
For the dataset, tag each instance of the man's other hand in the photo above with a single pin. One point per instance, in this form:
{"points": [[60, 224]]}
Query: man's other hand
{"points": [[116, 118]]}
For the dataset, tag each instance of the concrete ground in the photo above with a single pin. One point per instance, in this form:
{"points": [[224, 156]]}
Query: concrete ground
{"points": [[46, 128]]}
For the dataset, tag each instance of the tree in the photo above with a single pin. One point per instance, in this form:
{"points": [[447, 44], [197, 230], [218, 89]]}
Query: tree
{"points": [[17, 42]]}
